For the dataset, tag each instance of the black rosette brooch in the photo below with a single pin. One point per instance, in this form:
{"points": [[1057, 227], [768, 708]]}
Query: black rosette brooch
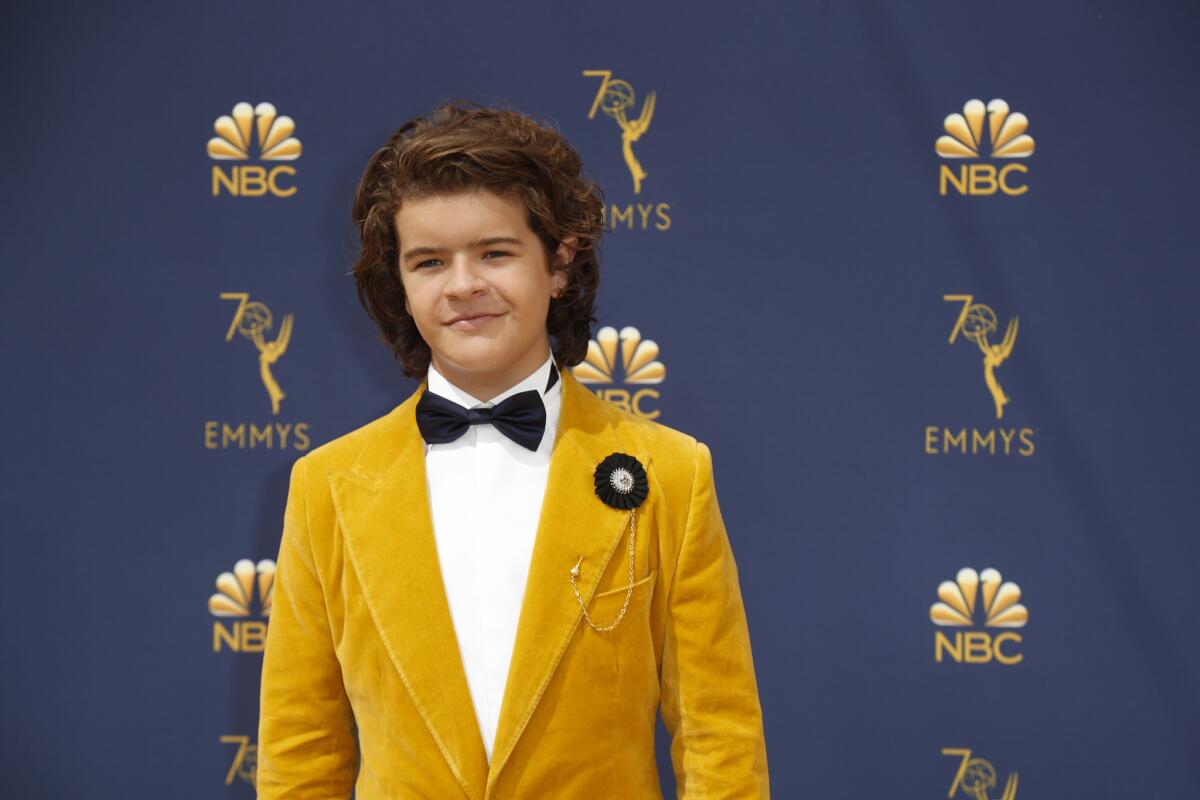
{"points": [[621, 481]]}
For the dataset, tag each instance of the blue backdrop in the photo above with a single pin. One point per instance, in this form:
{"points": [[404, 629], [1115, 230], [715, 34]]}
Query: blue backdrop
{"points": [[790, 252]]}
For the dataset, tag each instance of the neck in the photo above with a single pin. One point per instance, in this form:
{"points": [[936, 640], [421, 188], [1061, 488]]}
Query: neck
{"points": [[486, 385]]}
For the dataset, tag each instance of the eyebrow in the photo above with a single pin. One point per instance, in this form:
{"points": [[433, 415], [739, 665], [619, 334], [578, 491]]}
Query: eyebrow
{"points": [[490, 240]]}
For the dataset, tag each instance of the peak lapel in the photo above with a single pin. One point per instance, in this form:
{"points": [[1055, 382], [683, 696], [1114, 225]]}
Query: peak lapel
{"points": [[574, 522], [382, 503]]}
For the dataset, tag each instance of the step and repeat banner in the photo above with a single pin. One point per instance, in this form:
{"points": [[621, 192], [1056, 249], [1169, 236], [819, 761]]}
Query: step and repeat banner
{"points": [[921, 276]]}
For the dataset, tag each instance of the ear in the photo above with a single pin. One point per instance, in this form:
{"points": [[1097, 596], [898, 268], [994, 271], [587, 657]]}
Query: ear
{"points": [[566, 250], [562, 257], [558, 283]]}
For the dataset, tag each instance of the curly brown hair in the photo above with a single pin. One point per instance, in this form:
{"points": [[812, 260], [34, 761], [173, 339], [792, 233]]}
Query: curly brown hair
{"points": [[465, 146]]}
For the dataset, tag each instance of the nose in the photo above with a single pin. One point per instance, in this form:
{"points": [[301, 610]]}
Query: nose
{"points": [[464, 279]]}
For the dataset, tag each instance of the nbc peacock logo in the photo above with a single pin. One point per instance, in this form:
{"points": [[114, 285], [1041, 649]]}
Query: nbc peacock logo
{"points": [[972, 597], [964, 140], [259, 131], [628, 359], [243, 593]]}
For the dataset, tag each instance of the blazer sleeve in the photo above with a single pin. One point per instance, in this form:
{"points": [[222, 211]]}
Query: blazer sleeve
{"points": [[306, 742], [709, 692]]}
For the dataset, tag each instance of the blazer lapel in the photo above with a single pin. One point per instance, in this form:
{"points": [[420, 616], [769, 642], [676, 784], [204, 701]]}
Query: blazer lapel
{"points": [[574, 522], [382, 503]]}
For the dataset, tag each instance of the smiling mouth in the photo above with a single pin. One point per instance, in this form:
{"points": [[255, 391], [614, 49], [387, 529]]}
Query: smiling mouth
{"points": [[473, 323]]}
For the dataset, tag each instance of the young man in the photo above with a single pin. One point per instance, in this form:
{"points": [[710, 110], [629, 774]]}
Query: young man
{"points": [[488, 592]]}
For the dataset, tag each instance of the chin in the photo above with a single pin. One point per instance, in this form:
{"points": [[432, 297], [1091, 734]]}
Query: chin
{"points": [[479, 359]]}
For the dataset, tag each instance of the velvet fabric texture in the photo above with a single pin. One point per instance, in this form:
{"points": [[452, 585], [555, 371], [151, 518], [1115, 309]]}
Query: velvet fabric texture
{"points": [[363, 687]]}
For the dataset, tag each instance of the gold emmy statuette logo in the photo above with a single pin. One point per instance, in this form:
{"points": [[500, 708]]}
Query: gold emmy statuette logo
{"points": [[251, 320], [978, 323], [638, 359], [978, 594], [964, 140], [235, 135], [975, 776], [245, 760], [616, 98], [235, 598]]}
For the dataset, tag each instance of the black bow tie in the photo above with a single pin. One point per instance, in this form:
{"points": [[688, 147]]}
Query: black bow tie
{"points": [[521, 417]]}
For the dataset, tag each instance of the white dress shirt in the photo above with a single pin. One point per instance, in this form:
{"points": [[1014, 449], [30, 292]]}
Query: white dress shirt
{"points": [[485, 494]]}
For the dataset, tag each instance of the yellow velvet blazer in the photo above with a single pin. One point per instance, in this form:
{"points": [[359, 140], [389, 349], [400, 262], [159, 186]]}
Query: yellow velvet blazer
{"points": [[363, 687]]}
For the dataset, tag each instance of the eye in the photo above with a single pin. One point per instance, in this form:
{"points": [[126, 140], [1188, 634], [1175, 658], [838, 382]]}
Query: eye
{"points": [[496, 253], [428, 261]]}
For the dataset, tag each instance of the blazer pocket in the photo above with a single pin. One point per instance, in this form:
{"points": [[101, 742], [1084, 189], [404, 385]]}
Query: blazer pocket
{"points": [[646, 582]]}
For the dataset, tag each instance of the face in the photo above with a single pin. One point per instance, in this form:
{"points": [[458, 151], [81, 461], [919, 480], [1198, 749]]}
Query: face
{"points": [[478, 286]]}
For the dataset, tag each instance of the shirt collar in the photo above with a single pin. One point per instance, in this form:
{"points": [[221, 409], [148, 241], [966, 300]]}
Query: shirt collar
{"points": [[438, 384]]}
